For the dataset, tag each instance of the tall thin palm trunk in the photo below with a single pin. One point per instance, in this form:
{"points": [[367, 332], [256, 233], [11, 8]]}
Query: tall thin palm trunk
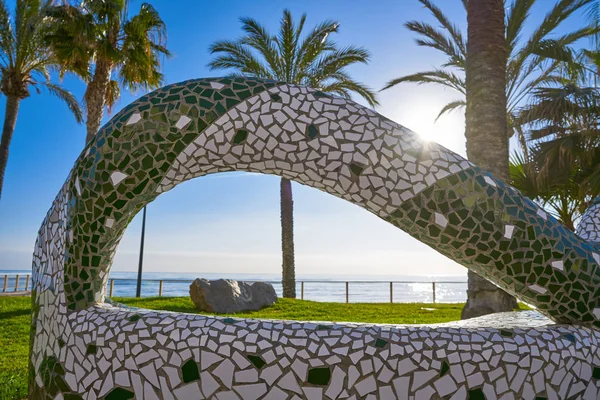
{"points": [[287, 239], [10, 121], [487, 142], [95, 98]]}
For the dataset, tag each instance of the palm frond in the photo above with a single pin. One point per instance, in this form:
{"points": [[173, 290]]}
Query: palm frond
{"points": [[258, 38], [517, 14], [561, 11], [234, 55], [573, 36], [286, 42], [314, 44], [551, 48], [347, 85], [524, 62], [453, 105], [522, 83], [521, 137], [335, 61], [7, 39], [432, 37], [71, 35], [593, 13], [139, 56], [296, 44], [523, 177], [68, 98], [113, 92], [558, 106], [438, 76], [591, 182], [452, 29]]}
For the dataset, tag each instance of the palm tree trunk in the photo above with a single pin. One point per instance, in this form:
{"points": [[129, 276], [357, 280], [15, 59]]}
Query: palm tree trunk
{"points": [[287, 239], [95, 98], [487, 142], [565, 213], [10, 120]]}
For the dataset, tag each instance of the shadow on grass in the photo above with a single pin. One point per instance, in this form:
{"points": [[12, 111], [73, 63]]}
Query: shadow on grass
{"points": [[15, 313]]}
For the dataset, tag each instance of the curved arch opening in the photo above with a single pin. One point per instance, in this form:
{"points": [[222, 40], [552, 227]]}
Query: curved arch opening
{"points": [[227, 225]]}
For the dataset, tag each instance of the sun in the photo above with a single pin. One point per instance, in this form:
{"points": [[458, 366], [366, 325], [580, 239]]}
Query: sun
{"points": [[422, 121], [427, 133], [448, 130]]}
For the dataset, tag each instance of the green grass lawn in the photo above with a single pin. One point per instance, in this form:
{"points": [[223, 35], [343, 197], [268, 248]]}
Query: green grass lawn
{"points": [[15, 319], [304, 310]]}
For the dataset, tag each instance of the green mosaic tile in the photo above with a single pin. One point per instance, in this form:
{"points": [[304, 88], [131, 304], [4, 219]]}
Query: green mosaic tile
{"points": [[256, 361], [91, 349], [356, 169], [240, 136], [445, 368], [319, 376], [189, 371], [71, 396], [476, 394], [119, 394], [312, 131]]}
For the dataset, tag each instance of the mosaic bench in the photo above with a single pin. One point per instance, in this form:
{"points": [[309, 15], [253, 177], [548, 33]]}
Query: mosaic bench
{"points": [[84, 348]]}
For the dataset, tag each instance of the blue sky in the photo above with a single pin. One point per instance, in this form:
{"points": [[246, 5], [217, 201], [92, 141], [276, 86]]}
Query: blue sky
{"points": [[230, 222]]}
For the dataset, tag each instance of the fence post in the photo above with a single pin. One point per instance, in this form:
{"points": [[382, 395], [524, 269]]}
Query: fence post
{"points": [[433, 290], [160, 288], [346, 292], [5, 283], [302, 290], [17, 283], [27, 282], [112, 285], [391, 292]]}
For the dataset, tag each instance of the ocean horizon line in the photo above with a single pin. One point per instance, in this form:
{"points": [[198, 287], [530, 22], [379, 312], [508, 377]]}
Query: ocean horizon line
{"points": [[299, 276]]}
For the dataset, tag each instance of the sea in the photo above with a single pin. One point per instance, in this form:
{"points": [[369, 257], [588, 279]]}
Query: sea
{"points": [[326, 288]]}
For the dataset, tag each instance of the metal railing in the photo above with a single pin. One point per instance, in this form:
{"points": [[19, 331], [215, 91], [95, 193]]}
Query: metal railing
{"points": [[12, 283], [21, 282], [161, 282]]}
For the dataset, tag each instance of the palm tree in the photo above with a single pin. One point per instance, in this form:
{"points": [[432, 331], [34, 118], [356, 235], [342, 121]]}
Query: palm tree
{"points": [[96, 38], [25, 63], [486, 124], [315, 61], [565, 119], [561, 194], [562, 169], [525, 71]]}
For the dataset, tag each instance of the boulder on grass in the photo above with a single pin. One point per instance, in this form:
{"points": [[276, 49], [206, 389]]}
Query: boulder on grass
{"points": [[230, 296]]}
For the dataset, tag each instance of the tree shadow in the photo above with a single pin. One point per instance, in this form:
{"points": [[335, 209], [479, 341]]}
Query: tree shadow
{"points": [[15, 313]]}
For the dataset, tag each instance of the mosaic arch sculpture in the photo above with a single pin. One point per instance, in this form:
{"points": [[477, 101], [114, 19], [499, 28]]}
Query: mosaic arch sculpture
{"points": [[83, 348]]}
